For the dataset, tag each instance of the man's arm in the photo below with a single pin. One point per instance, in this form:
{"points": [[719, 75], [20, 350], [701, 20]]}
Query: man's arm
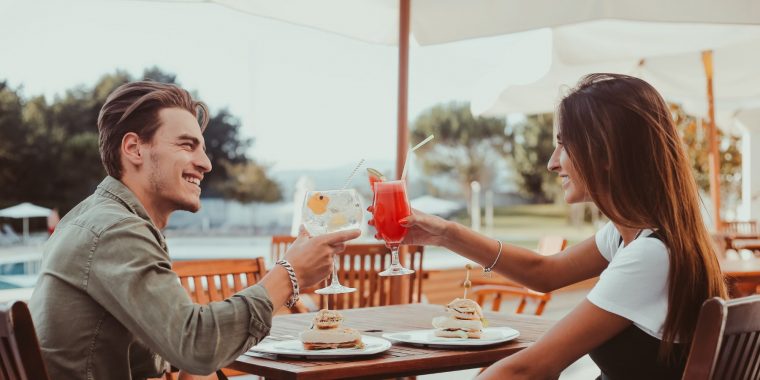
{"points": [[131, 277]]}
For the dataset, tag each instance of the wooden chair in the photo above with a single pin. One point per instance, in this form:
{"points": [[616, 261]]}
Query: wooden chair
{"points": [[216, 280], [280, 245], [359, 268], [20, 356], [740, 235], [726, 342], [496, 290], [736, 227]]}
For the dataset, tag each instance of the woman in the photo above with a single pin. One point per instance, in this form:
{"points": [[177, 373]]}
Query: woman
{"points": [[616, 146]]}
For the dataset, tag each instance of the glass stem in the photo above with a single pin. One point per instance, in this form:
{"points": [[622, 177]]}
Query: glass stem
{"points": [[335, 281], [394, 256]]}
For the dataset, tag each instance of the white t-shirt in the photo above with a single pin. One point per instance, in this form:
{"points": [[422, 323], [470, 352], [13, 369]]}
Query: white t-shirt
{"points": [[635, 284]]}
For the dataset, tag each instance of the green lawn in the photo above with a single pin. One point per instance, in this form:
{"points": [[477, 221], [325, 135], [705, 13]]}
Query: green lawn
{"points": [[523, 225]]}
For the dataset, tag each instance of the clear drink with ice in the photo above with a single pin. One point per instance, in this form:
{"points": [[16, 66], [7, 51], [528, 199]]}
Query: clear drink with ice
{"points": [[330, 211]]}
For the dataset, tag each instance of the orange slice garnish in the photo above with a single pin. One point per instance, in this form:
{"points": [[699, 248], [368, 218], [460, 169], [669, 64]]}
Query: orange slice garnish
{"points": [[317, 203]]}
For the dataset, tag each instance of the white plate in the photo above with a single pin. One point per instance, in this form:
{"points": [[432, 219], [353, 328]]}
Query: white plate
{"points": [[427, 338], [294, 349]]}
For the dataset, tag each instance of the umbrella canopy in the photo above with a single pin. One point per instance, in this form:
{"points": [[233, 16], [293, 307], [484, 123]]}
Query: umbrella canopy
{"points": [[679, 77], [442, 21], [25, 210], [671, 60], [672, 63]]}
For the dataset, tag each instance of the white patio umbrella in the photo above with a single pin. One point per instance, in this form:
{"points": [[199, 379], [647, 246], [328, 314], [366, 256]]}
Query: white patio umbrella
{"points": [[679, 77], [673, 61], [442, 21], [664, 23], [25, 211]]}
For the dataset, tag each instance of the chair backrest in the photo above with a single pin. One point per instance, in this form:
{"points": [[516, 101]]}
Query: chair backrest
{"points": [[20, 356], [280, 245], [359, 266], [726, 342], [215, 280], [748, 227], [549, 245]]}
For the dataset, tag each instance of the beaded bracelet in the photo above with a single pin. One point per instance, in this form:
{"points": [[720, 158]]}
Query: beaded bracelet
{"points": [[489, 269], [293, 280]]}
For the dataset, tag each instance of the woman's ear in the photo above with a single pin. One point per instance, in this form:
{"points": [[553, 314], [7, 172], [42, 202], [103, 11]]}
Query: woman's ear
{"points": [[131, 151]]}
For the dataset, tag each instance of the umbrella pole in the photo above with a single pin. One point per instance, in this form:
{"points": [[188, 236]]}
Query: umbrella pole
{"points": [[712, 135], [402, 132], [25, 236]]}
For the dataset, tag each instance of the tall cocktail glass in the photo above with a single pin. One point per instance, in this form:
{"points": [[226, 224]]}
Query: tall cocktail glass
{"points": [[390, 206], [331, 211]]}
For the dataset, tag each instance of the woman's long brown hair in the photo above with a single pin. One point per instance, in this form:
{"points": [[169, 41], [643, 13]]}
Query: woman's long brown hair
{"points": [[619, 134]]}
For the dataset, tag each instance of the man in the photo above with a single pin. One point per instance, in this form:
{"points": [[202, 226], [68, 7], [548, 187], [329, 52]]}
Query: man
{"points": [[107, 304]]}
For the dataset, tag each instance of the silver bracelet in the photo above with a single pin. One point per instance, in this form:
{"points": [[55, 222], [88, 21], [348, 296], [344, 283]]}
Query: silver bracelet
{"points": [[293, 281], [489, 269]]}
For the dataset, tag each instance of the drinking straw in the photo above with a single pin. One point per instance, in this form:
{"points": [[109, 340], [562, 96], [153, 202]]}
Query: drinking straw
{"points": [[353, 173], [406, 162], [467, 283]]}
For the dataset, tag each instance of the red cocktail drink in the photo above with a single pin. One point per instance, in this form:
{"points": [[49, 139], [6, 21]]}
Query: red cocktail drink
{"points": [[390, 206]]}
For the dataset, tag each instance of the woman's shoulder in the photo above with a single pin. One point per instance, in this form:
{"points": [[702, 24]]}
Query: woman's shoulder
{"points": [[647, 249]]}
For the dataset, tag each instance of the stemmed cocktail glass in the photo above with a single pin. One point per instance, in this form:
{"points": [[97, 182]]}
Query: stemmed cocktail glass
{"points": [[330, 211]]}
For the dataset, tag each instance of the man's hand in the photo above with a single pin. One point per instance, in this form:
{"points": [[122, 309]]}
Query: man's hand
{"points": [[311, 257]]}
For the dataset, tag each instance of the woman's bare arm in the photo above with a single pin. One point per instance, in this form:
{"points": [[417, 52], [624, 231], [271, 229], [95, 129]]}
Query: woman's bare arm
{"points": [[584, 329], [543, 273]]}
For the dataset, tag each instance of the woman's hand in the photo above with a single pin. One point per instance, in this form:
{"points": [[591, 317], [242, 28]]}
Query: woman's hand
{"points": [[423, 229]]}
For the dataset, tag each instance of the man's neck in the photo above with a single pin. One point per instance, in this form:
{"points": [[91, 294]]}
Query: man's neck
{"points": [[157, 216]]}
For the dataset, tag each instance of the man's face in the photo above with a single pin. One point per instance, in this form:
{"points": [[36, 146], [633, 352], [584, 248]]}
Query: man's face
{"points": [[176, 161]]}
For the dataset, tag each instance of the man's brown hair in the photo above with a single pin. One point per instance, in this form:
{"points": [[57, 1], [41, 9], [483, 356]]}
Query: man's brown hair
{"points": [[134, 107]]}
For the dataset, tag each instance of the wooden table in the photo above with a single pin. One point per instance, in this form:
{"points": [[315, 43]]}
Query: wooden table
{"points": [[743, 276], [400, 359]]}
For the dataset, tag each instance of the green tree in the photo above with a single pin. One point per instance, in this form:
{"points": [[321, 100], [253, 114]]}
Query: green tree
{"points": [[225, 147], [248, 182], [694, 135], [466, 148], [530, 146], [12, 140], [49, 151]]}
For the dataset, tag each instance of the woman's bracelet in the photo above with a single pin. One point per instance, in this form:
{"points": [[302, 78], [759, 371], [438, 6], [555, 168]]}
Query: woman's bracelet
{"points": [[489, 269], [293, 281]]}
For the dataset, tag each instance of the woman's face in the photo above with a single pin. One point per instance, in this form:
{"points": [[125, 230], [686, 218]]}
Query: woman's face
{"points": [[575, 190]]}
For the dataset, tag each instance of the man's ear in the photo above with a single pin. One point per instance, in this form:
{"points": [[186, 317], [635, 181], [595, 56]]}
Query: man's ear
{"points": [[131, 149]]}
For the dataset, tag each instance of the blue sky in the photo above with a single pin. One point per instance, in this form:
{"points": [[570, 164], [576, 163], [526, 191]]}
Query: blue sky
{"points": [[311, 99]]}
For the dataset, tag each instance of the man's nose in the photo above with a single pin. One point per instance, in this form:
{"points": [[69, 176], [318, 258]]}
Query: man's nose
{"points": [[203, 162]]}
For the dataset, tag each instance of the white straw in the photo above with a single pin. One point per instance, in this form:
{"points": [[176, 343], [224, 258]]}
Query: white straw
{"points": [[353, 173], [406, 162], [425, 141]]}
